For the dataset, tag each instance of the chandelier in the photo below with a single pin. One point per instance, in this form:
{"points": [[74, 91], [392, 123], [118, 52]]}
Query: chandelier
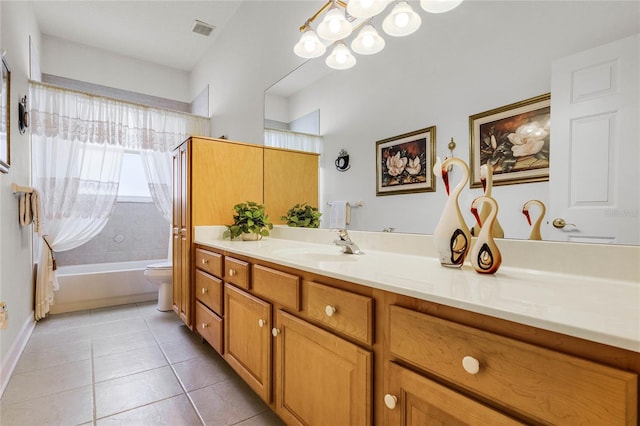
{"points": [[342, 19]]}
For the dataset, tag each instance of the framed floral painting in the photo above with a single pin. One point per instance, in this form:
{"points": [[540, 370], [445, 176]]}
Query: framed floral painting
{"points": [[513, 140], [404, 163]]}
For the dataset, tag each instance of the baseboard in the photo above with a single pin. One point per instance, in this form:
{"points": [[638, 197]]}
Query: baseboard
{"points": [[10, 361], [59, 308]]}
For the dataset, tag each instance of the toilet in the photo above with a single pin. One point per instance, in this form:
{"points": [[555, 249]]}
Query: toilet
{"points": [[160, 274]]}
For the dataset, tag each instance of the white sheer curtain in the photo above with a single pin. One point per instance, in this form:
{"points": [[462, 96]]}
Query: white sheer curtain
{"points": [[78, 141], [157, 157], [293, 140]]}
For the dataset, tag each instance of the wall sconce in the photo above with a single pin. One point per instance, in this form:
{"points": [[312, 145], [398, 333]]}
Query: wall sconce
{"points": [[23, 115], [342, 162]]}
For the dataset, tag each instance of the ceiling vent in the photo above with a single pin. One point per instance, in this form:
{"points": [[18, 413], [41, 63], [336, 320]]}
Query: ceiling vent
{"points": [[203, 28]]}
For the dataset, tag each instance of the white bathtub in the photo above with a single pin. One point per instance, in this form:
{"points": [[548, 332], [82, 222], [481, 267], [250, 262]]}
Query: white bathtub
{"points": [[102, 284]]}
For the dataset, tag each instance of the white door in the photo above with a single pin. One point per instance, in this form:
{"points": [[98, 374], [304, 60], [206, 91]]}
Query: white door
{"points": [[593, 177]]}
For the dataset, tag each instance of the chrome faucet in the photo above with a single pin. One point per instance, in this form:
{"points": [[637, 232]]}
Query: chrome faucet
{"points": [[344, 241]]}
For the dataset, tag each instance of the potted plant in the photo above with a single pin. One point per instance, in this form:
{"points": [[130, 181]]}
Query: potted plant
{"points": [[250, 222], [303, 216]]}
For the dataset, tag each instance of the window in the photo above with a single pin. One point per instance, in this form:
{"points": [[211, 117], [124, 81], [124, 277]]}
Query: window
{"points": [[133, 182]]}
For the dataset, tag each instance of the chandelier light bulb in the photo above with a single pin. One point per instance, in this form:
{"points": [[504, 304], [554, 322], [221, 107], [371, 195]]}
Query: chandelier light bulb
{"points": [[309, 45], [366, 8], [402, 20], [340, 58], [439, 6], [368, 41], [334, 26]]}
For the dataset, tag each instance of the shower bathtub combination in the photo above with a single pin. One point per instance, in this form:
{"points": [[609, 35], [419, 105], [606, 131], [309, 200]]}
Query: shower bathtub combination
{"points": [[100, 285]]}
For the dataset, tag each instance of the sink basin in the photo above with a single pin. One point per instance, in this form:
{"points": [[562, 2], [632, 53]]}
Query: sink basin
{"points": [[315, 254]]}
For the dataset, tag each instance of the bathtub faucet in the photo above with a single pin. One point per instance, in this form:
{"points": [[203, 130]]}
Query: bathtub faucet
{"points": [[344, 241]]}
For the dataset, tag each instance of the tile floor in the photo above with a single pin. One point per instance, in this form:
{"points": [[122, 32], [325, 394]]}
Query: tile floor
{"points": [[128, 365]]}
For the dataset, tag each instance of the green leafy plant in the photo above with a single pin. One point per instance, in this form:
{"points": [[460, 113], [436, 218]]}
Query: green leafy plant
{"points": [[303, 216], [250, 218]]}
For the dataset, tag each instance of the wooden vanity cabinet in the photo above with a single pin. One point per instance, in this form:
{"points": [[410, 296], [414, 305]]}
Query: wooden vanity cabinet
{"points": [[321, 351], [307, 374]]}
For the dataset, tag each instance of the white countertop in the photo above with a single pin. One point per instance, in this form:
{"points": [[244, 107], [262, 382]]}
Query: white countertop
{"points": [[600, 310]]}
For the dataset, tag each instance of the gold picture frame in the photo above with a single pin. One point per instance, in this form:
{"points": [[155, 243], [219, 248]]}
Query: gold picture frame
{"points": [[404, 163], [5, 113], [514, 139]]}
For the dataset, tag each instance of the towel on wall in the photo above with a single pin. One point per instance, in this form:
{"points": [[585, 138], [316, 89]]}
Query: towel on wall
{"points": [[24, 210], [29, 210], [338, 215]]}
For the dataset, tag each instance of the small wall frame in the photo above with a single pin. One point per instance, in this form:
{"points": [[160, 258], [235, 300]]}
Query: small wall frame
{"points": [[404, 163]]}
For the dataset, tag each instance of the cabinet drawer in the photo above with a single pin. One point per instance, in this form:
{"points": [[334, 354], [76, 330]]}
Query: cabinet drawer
{"points": [[236, 272], [209, 261], [277, 286], [209, 291], [349, 313], [541, 384], [210, 326]]}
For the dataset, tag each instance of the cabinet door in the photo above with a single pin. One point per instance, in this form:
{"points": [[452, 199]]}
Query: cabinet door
{"points": [[181, 236], [248, 339], [321, 379], [176, 255], [412, 399]]}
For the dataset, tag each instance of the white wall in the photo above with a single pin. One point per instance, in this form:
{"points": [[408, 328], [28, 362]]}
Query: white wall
{"points": [[17, 23], [254, 50], [480, 56], [80, 62]]}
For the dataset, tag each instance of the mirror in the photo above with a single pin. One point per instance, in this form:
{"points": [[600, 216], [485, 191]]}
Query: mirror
{"points": [[480, 56]]}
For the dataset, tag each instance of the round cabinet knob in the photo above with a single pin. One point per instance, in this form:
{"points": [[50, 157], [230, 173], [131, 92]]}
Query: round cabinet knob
{"points": [[390, 401], [204, 290], [204, 261], [261, 323], [329, 310], [470, 365], [232, 272], [275, 332], [205, 325]]}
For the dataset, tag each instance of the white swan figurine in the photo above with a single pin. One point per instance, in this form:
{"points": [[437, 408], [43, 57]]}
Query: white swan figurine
{"points": [[451, 236], [486, 178], [485, 256], [535, 230]]}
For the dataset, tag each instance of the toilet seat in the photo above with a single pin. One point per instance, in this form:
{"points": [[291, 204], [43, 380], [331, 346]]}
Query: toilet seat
{"points": [[160, 265], [161, 269]]}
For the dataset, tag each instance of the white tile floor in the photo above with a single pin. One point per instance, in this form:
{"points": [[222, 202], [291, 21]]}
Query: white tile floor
{"points": [[126, 365]]}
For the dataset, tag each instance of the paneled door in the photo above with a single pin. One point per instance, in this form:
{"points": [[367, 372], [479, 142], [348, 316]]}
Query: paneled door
{"points": [[593, 176]]}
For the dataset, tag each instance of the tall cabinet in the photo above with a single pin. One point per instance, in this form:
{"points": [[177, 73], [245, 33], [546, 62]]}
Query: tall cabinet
{"points": [[210, 176]]}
